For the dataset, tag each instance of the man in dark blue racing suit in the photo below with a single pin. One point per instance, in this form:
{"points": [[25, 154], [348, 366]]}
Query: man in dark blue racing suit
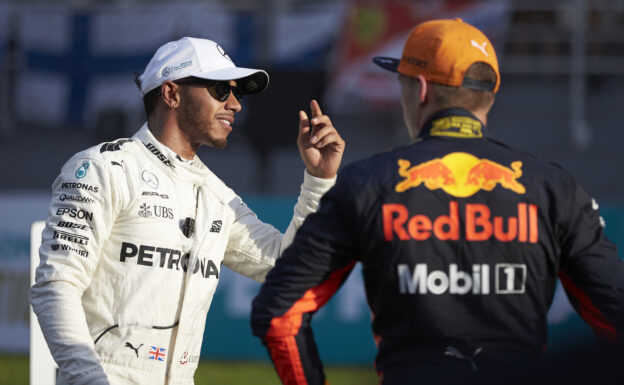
{"points": [[461, 238]]}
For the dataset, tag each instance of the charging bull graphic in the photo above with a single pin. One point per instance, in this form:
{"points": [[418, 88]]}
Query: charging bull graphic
{"points": [[460, 174]]}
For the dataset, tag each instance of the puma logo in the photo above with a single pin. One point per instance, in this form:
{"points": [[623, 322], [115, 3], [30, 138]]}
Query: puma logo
{"points": [[136, 350], [119, 164], [480, 47]]}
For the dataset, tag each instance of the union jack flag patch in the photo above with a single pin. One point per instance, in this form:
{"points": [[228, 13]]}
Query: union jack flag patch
{"points": [[157, 354]]}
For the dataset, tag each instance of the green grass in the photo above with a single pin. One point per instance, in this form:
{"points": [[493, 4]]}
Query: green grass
{"points": [[14, 371]]}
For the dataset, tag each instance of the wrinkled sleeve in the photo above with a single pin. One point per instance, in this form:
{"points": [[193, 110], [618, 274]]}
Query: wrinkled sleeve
{"points": [[253, 245], [79, 221], [307, 275], [590, 271]]}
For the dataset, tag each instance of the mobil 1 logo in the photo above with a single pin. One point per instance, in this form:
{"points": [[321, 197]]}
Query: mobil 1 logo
{"points": [[510, 278]]}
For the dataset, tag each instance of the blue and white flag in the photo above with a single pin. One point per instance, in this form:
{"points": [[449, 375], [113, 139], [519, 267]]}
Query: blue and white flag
{"points": [[77, 63]]}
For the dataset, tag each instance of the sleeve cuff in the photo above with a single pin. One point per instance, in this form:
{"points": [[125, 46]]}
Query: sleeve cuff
{"points": [[317, 185]]}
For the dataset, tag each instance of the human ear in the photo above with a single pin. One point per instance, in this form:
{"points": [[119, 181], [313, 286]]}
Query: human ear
{"points": [[170, 94], [423, 87]]}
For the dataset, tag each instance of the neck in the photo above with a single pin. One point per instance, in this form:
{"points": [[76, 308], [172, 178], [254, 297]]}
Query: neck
{"points": [[481, 115], [168, 132]]}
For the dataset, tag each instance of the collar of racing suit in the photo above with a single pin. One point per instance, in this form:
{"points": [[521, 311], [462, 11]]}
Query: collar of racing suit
{"points": [[169, 161], [454, 123]]}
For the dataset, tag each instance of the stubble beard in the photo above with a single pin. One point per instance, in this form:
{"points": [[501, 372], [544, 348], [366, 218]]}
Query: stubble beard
{"points": [[192, 121]]}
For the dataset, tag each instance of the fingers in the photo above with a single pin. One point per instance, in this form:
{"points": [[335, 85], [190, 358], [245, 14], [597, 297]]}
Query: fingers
{"points": [[315, 109], [319, 127], [304, 123], [320, 121], [325, 136]]}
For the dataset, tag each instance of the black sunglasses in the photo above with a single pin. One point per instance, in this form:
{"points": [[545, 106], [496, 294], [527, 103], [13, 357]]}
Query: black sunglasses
{"points": [[219, 90]]}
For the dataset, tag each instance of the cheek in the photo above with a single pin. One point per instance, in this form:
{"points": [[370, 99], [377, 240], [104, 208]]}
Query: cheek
{"points": [[407, 98]]}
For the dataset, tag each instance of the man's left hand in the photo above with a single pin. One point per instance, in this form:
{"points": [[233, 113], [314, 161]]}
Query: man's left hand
{"points": [[319, 143]]}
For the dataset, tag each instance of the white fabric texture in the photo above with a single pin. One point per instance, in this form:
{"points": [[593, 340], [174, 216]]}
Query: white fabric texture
{"points": [[121, 292]]}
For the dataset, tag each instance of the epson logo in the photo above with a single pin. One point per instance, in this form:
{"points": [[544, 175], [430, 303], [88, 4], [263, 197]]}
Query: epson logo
{"points": [[72, 225], [75, 213], [74, 238], [159, 155], [75, 198], [510, 278], [81, 186], [166, 258]]}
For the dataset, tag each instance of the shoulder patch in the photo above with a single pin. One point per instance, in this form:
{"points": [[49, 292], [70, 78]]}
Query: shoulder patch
{"points": [[114, 146]]}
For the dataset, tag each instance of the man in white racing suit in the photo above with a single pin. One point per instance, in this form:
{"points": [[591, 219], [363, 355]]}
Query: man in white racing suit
{"points": [[139, 228]]}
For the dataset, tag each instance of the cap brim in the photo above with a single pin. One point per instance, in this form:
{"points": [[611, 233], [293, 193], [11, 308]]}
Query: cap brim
{"points": [[250, 80], [387, 63]]}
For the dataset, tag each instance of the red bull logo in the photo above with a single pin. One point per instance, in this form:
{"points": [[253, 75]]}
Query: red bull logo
{"points": [[460, 174], [479, 224]]}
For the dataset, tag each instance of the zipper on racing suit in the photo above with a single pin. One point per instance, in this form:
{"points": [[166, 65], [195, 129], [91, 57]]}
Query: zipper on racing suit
{"points": [[188, 229]]}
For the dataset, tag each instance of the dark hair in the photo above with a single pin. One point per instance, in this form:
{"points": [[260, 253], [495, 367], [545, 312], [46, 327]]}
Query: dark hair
{"points": [[150, 99], [449, 96]]}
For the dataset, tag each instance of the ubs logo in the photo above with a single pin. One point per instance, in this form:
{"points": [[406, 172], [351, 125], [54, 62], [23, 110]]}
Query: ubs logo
{"points": [[144, 211], [150, 179], [163, 212], [159, 211]]}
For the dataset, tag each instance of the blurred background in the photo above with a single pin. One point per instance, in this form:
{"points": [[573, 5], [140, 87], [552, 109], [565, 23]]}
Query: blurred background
{"points": [[67, 82]]}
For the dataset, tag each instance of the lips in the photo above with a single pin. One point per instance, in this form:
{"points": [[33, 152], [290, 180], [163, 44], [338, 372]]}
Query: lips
{"points": [[227, 120]]}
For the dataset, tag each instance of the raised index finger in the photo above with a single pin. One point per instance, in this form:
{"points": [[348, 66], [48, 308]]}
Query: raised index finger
{"points": [[315, 109]]}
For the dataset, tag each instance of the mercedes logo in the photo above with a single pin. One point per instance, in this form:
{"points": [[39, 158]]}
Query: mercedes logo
{"points": [[222, 52], [150, 179]]}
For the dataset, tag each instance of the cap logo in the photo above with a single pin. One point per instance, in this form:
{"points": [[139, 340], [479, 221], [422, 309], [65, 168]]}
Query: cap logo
{"points": [[183, 65], [480, 47], [222, 52], [166, 71], [415, 61]]}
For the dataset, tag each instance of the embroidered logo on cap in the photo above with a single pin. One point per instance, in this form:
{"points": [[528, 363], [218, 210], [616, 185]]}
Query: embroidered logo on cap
{"points": [[222, 52], [480, 47]]}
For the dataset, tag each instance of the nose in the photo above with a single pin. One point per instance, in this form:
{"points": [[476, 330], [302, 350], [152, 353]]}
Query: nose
{"points": [[232, 103]]}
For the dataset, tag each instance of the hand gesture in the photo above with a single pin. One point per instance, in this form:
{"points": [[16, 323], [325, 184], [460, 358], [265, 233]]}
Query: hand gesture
{"points": [[319, 143]]}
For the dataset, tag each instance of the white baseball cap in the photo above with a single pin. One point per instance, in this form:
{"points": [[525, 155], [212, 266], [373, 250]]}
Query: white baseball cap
{"points": [[199, 58]]}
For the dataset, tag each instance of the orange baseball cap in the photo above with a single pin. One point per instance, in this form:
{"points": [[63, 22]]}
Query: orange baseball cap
{"points": [[442, 51]]}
